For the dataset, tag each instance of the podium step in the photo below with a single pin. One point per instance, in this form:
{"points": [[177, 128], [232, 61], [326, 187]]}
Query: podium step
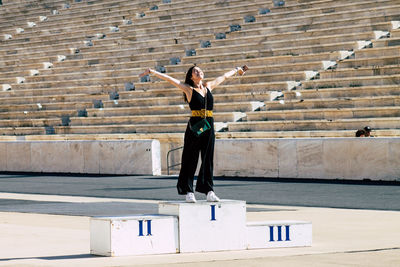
{"points": [[133, 235], [277, 234], [209, 226]]}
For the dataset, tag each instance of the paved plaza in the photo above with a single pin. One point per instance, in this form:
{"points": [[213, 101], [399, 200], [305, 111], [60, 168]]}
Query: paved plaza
{"points": [[45, 220]]}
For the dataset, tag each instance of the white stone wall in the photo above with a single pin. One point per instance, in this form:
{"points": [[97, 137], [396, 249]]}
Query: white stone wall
{"points": [[141, 157], [322, 158]]}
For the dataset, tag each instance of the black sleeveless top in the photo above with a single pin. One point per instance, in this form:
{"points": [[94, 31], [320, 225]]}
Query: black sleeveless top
{"points": [[198, 101]]}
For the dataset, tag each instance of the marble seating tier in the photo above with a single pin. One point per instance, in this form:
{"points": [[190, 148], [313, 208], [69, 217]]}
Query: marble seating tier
{"points": [[312, 125], [324, 114], [355, 81], [360, 72], [343, 92], [369, 61]]}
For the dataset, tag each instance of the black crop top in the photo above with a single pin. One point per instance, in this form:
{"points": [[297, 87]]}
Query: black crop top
{"points": [[198, 101]]}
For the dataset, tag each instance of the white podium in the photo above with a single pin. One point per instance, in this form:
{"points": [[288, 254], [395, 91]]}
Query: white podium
{"points": [[274, 234], [209, 226], [193, 227], [133, 235]]}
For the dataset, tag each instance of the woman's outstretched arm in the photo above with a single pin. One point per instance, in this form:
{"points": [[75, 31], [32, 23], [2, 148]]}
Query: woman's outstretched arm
{"points": [[183, 86], [214, 83]]}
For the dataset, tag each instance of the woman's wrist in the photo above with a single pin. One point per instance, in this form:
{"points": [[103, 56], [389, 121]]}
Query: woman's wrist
{"points": [[239, 71]]}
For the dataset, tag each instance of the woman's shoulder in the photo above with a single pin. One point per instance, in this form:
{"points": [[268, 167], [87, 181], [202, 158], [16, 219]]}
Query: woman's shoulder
{"points": [[186, 87], [208, 86]]}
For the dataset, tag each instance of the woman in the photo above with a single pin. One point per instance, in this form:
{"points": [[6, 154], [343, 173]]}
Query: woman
{"points": [[197, 94]]}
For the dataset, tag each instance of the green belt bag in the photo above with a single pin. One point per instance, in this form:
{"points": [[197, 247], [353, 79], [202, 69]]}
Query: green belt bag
{"points": [[200, 127]]}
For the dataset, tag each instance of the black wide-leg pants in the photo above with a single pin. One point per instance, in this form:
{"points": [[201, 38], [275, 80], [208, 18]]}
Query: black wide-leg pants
{"points": [[192, 147]]}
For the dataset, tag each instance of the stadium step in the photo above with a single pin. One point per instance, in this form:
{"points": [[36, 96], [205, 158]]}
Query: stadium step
{"points": [[323, 114], [377, 52], [347, 102], [352, 81], [361, 71], [345, 92], [313, 125], [369, 62], [306, 133], [146, 119]]}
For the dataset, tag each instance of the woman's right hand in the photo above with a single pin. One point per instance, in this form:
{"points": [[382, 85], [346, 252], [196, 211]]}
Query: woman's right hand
{"points": [[146, 72], [242, 70]]}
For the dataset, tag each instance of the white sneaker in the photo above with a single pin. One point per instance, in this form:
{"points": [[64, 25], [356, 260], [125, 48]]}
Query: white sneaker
{"points": [[212, 197], [190, 198]]}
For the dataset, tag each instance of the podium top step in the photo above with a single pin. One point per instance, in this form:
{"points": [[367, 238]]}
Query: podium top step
{"points": [[204, 202], [132, 217]]}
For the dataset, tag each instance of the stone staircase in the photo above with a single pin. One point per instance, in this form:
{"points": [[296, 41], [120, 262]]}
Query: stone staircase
{"points": [[317, 68]]}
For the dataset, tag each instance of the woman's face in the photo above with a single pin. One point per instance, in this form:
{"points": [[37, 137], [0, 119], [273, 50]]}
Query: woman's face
{"points": [[197, 74]]}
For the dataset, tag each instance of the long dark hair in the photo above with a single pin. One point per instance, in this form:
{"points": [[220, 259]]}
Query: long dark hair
{"points": [[188, 80]]}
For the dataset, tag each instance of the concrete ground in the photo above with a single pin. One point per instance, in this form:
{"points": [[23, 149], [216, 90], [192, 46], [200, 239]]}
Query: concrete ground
{"points": [[341, 237], [306, 193]]}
